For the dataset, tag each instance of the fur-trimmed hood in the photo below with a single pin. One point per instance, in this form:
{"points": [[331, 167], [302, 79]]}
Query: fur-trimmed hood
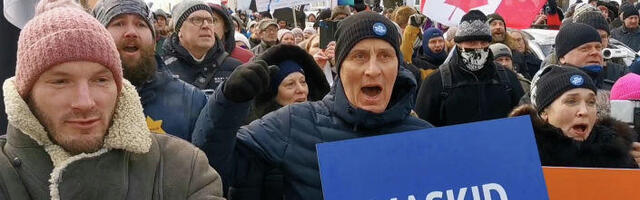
{"points": [[316, 81], [128, 132], [608, 145]]}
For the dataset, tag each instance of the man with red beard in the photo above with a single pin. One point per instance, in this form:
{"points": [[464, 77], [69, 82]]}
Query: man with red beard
{"points": [[76, 126], [170, 105]]}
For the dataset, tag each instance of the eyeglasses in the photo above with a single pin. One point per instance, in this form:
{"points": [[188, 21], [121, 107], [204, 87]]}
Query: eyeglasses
{"points": [[272, 30], [199, 21]]}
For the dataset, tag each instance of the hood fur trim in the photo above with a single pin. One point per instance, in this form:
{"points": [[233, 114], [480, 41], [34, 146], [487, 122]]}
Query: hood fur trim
{"points": [[128, 131]]}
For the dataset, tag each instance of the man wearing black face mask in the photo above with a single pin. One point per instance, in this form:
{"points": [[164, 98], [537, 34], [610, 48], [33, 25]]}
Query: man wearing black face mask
{"points": [[470, 86]]}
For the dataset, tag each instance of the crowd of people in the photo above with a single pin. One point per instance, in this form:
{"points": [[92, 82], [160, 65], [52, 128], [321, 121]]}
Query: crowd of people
{"points": [[209, 103]]}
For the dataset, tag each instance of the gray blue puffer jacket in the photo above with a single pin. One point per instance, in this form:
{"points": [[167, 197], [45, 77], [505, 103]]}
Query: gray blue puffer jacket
{"points": [[206, 75], [287, 138], [171, 105]]}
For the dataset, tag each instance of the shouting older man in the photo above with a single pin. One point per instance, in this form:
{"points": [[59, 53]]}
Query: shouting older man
{"points": [[76, 127], [359, 105]]}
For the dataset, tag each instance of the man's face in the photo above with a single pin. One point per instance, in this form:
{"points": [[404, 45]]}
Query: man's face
{"points": [[218, 25], [270, 34], [282, 24], [198, 30], [631, 22], [498, 31], [255, 32], [520, 41], [135, 45], [436, 44], [368, 74], [75, 102], [584, 55], [505, 61]]}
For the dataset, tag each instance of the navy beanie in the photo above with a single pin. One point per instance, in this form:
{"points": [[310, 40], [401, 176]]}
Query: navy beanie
{"points": [[286, 67], [363, 25], [427, 35], [574, 35], [556, 80]]}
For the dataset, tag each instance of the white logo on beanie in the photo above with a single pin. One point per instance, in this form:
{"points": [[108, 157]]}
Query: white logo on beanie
{"points": [[379, 29], [576, 80]]}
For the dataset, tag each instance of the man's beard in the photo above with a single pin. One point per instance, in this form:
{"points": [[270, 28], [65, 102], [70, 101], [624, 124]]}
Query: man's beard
{"points": [[73, 145], [139, 71], [500, 38]]}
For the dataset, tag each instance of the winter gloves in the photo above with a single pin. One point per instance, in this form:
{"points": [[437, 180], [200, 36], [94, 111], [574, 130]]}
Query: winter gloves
{"points": [[248, 80]]}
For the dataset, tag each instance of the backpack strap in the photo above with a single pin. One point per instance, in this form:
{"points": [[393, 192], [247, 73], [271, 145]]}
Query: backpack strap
{"points": [[15, 189], [445, 74]]}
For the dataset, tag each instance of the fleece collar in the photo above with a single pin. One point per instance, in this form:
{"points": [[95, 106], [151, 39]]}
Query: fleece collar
{"points": [[128, 131]]}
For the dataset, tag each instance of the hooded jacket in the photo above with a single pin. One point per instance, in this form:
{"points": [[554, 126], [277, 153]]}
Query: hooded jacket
{"points": [[213, 70], [608, 144], [286, 138], [132, 164], [474, 96], [229, 40], [316, 82], [170, 105]]}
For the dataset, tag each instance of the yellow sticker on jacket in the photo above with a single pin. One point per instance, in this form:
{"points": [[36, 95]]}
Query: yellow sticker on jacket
{"points": [[155, 126]]}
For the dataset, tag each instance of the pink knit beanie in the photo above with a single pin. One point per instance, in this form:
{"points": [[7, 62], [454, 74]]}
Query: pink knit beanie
{"points": [[626, 88], [63, 32]]}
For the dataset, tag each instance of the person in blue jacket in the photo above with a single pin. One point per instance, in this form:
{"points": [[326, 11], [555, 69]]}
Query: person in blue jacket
{"points": [[171, 105], [373, 95]]}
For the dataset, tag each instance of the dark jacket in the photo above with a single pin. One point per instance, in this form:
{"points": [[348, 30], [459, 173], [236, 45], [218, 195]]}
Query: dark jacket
{"points": [[286, 138], [260, 48], [423, 60], [528, 63], [629, 37], [608, 144], [171, 105], [610, 74], [132, 163], [474, 96], [213, 70]]}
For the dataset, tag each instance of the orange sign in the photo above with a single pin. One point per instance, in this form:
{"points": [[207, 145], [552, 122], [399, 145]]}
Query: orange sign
{"points": [[565, 183]]}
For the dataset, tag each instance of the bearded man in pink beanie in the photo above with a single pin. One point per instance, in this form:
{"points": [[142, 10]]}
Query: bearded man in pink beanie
{"points": [[76, 127]]}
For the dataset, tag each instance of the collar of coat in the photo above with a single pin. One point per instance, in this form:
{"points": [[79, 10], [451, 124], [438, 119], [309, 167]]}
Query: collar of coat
{"points": [[128, 131]]}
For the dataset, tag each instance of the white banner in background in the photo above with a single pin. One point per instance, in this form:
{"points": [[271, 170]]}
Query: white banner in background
{"points": [[263, 5]]}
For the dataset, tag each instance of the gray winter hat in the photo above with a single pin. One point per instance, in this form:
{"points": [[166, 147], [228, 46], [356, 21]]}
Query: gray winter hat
{"points": [[473, 27], [182, 10], [499, 50], [106, 10]]}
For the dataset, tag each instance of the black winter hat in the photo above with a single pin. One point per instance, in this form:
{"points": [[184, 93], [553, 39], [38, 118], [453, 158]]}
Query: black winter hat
{"points": [[363, 25], [494, 16], [573, 35], [594, 19], [556, 80], [106, 10], [628, 11], [473, 27]]}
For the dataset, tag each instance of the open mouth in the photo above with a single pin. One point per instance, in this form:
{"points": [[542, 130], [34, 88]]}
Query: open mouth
{"points": [[130, 48], [580, 129], [371, 91]]}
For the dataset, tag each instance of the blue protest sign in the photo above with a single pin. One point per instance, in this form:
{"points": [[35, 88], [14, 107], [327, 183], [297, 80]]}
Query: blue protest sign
{"points": [[490, 160]]}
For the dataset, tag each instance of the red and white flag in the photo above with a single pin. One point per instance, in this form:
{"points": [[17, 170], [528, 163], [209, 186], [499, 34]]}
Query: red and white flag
{"points": [[517, 14]]}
